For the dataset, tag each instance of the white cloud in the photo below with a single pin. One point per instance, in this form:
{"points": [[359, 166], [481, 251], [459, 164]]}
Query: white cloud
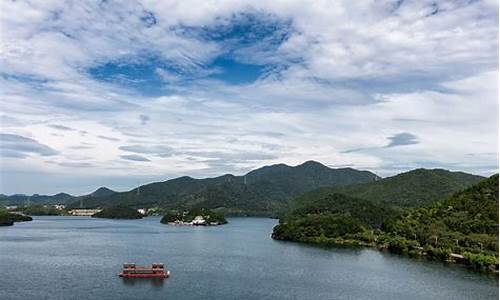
{"points": [[349, 75]]}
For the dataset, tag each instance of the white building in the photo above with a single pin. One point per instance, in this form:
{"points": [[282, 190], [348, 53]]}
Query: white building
{"points": [[84, 212], [199, 220], [60, 206]]}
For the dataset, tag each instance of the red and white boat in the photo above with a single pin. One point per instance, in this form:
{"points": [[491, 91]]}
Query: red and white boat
{"points": [[154, 271]]}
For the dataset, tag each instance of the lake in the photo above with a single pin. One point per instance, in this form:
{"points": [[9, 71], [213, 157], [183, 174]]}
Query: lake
{"points": [[79, 258]]}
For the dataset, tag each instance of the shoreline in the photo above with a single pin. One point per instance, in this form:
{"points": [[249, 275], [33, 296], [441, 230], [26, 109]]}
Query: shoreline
{"points": [[385, 248]]}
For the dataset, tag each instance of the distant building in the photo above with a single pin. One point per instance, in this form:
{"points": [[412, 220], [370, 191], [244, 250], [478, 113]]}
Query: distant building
{"points": [[142, 211], [199, 220], [60, 206], [85, 212], [11, 207]]}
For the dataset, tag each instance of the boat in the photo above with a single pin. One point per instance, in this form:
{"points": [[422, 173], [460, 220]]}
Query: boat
{"points": [[154, 271]]}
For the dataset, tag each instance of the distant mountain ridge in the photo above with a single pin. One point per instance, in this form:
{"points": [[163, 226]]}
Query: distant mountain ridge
{"points": [[260, 191], [59, 198], [269, 189], [36, 199]]}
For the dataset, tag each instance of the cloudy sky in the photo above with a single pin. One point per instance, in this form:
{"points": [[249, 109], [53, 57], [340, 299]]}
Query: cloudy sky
{"points": [[116, 94]]}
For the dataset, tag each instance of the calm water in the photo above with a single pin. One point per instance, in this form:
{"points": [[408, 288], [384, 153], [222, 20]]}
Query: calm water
{"points": [[79, 258]]}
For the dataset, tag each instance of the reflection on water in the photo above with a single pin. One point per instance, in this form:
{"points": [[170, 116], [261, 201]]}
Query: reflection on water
{"points": [[79, 257], [155, 282]]}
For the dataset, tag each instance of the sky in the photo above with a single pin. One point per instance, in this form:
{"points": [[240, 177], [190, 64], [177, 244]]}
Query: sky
{"points": [[101, 93]]}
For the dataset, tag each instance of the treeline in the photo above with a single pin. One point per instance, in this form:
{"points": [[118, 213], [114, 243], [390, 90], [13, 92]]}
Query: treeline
{"points": [[8, 219], [463, 227], [118, 212]]}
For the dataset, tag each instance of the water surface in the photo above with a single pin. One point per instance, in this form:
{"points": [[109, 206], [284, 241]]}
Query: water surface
{"points": [[79, 258]]}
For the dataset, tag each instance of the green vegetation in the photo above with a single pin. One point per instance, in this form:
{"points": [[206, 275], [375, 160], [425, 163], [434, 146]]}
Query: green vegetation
{"points": [[332, 218], [210, 217], [262, 192], [8, 219], [118, 212], [42, 211], [412, 189], [464, 224], [36, 200]]}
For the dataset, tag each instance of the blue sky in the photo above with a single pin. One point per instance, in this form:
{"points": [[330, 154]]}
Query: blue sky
{"points": [[120, 94]]}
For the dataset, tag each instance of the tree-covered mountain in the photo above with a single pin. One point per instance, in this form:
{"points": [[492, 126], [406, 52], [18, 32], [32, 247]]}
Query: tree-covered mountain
{"points": [[331, 218], [464, 224], [262, 191], [36, 199], [60, 198], [101, 192], [411, 189]]}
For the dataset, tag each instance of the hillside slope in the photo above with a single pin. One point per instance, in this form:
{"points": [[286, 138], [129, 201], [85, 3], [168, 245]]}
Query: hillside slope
{"points": [[411, 189], [465, 224], [261, 191]]}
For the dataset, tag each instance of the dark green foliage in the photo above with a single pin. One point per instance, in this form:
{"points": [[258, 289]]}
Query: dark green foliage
{"points": [[324, 225], [370, 213], [8, 219], [264, 191], [41, 211], [331, 216], [118, 212], [465, 223], [212, 217], [412, 189]]}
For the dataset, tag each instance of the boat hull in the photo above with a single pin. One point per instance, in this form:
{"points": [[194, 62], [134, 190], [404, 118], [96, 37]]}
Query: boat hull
{"points": [[157, 275]]}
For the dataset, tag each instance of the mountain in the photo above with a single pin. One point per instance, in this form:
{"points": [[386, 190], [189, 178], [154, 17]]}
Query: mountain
{"points": [[262, 191], [36, 199], [60, 198], [411, 189], [464, 224], [331, 218], [101, 192]]}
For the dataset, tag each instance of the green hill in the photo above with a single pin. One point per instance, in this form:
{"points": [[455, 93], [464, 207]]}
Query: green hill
{"points": [[260, 192], [60, 198], [118, 212], [331, 218], [412, 189], [20, 200], [465, 224]]}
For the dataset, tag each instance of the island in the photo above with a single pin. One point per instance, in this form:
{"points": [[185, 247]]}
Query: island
{"points": [[118, 212], [8, 219], [194, 217]]}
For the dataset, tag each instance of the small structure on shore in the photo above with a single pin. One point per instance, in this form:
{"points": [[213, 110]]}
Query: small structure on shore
{"points": [[198, 217], [84, 212]]}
